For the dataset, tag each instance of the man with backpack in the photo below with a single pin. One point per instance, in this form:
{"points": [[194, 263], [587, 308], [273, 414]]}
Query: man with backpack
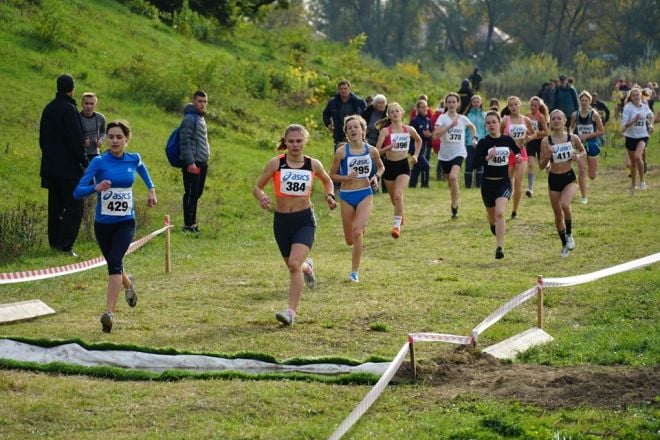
{"points": [[194, 156]]}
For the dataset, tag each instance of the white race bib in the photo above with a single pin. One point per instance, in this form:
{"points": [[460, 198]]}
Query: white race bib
{"points": [[117, 201], [501, 157], [517, 131], [295, 182], [585, 129], [535, 124], [360, 164], [455, 135], [562, 152], [400, 141]]}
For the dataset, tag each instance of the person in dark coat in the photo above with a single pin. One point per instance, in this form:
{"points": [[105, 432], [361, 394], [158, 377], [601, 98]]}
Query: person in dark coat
{"points": [[466, 96], [344, 103], [62, 163], [476, 79]]}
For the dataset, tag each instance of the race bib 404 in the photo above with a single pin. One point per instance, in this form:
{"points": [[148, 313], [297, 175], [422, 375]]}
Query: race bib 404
{"points": [[117, 201]]}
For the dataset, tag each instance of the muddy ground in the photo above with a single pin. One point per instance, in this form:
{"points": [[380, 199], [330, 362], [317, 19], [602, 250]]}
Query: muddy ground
{"points": [[465, 373]]}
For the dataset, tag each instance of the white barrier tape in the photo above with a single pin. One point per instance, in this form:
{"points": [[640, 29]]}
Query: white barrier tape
{"points": [[440, 337], [503, 310], [51, 272], [371, 396], [580, 279]]}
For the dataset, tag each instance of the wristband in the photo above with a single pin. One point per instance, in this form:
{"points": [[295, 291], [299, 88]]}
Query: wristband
{"points": [[330, 195]]}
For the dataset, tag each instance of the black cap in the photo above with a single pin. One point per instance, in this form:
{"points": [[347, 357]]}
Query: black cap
{"points": [[65, 83], [562, 76]]}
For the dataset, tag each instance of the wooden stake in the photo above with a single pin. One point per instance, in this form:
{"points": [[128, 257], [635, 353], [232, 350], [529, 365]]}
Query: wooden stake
{"points": [[411, 349], [167, 245], [539, 302]]}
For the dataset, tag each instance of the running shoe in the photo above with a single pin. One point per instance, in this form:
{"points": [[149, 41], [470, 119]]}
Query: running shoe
{"points": [[514, 215], [353, 277], [643, 186], [106, 322], [286, 317], [570, 243], [131, 296], [564, 251], [499, 253], [310, 279], [529, 193], [396, 232], [454, 213], [584, 200]]}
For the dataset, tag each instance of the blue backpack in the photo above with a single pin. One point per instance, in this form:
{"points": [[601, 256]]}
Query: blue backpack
{"points": [[173, 146]]}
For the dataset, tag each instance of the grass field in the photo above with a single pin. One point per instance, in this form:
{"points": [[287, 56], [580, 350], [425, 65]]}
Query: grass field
{"points": [[598, 379], [440, 276]]}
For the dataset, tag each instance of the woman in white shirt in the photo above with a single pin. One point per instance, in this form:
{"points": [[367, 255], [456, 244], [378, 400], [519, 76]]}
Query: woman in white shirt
{"points": [[450, 128], [637, 126]]}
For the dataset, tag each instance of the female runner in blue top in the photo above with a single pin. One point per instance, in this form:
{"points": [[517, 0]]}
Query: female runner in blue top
{"points": [[114, 224], [352, 168]]}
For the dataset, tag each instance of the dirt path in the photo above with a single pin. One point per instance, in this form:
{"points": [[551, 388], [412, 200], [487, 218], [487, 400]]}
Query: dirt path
{"points": [[478, 374]]}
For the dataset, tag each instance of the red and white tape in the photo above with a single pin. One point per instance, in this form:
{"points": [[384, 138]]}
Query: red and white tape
{"points": [[503, 310], [51, 272], [593, 276], [373, 394], [440, 337]]}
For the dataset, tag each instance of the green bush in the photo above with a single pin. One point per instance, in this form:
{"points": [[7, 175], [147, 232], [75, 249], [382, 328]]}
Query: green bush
{"points": [[143, 8], [20, 230], [51, 26]]}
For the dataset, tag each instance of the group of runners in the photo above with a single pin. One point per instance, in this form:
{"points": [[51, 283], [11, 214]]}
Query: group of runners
{"points": [[511, 145]]}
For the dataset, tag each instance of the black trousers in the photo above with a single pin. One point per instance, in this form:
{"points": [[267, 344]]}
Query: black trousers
{"points": [[193, 187], [64, 213]]}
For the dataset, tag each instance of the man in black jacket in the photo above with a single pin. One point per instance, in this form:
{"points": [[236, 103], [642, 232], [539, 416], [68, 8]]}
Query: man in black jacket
{"points": [[62, 163], [343, 104]]}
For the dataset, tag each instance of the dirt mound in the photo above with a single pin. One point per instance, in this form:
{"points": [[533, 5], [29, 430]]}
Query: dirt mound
{"points": [[473, 373]]}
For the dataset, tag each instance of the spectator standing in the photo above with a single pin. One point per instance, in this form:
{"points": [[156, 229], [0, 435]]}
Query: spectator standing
{"points": [[477, 116], [547, 93], [429, 110], [93, 124], [422, 124], [465, 93], [195, 152], [62, 163], [566, 98], [344, 103], [600, 107], [374, 112], [475, 80]]}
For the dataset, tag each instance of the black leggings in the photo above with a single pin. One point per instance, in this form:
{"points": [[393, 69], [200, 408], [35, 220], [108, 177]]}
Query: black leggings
{"points": [[193, 187], [114, 239]]}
